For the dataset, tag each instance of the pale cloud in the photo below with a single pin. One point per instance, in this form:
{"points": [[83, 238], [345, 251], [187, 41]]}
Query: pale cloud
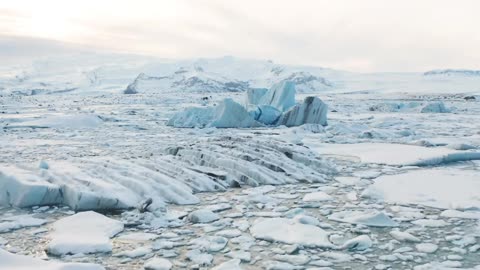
{"points": [[368, 35]]}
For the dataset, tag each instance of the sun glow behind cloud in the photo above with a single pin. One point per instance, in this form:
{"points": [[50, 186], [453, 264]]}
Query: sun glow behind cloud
{"points": [[358, 35]]}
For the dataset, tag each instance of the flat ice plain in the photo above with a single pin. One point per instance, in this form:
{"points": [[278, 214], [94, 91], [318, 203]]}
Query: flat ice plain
{"points": [[392, 182]]}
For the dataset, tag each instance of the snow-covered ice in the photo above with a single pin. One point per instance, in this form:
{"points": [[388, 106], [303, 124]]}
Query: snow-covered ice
{"points": [[441, 188], [290, 232], [85, 232]]}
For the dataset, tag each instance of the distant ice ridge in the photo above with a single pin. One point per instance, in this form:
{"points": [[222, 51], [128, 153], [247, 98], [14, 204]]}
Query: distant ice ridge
{"points": [[213, 164], [272, 107]]}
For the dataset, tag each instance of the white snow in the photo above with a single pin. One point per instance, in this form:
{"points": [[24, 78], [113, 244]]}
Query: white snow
{"points": [[289, 232], [359, 243], [440, 188], [85, 232], [9, 261]]}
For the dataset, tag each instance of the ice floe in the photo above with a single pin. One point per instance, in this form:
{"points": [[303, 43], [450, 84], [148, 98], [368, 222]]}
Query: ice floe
{"points": [[85, 232], [368, 217], [290, 232], [440, 188], [394, 154], [9, 261]]}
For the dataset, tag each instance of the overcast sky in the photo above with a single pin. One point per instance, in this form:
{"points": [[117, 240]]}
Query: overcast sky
{"points": [[357, 35]]}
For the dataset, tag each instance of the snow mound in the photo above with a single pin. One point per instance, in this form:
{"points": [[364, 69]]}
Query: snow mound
{"points": [[288, 231], [85, 232], [20, 262], [440, 188], [372, 218], [311, 111]]}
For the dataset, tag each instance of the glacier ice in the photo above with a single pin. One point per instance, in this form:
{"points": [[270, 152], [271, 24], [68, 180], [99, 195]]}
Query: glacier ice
{"points": [[254, 95], [230, 114], [311, 111], [273, 107], [281, 96]]}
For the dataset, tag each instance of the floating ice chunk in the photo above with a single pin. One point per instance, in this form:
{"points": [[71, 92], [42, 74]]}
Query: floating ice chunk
{"points": [[134, 253], [244, 256], [198, 257], [85, 232], [19, 222], [229, 265], [360, 243], [319, 196], [293, 259], [210, 243], [372, 218], [311, 111], [435, 107], [439, 188], [229, 233], [280, 96], [192, 117], [289, 232], [459, 214], [430, 223], [158, 264], [404, 236], [426, 247], [230, 114], [12, 261], [203, 216], [254, 96]]}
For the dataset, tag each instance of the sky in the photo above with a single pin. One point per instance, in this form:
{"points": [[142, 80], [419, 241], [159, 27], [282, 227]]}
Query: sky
{"points": [[362, 36]]}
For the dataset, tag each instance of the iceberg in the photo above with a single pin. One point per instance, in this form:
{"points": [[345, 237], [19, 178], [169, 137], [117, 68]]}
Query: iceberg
{"points": [[272, 108], [230, 114], [311, 111], [280, 96], [194, 117], [254, 95]]}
